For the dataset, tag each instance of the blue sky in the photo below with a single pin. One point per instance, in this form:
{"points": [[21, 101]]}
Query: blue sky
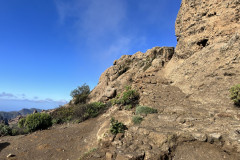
{"points": [[49, 47]]}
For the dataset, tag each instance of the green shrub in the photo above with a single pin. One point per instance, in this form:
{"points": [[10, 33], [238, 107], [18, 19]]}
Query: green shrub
{"points": [[145, 110], [117, 127], [137, 119], [78, 112], [93, 109], [80, 94], [5, 130], [86, 111], [36, 121], [21, 122], [56, 121], [128, 97], [15, 132], [235, 94], [128, 107], [62, 115]]}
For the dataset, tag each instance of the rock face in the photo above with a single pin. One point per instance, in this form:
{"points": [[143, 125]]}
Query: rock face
{"points": [[189, 87], [207, 56], [202, 23], [128, 69]]}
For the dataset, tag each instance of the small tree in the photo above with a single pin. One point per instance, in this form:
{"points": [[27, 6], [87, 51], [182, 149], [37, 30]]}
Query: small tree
{"points": [[80, 94]]}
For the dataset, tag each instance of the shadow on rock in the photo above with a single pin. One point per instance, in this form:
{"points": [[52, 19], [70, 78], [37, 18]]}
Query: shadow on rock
{"points": [[3, 145]]}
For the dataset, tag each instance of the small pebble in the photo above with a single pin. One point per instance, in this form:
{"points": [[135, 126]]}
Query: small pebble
{"points": [[10, 155]]}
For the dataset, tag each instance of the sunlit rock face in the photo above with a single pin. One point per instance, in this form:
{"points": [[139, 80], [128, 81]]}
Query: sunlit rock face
{"points": [[128, 69], [202, 23], [206, 60]]}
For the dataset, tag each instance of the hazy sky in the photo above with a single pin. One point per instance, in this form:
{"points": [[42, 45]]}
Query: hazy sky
{"points": [[49, 47]]}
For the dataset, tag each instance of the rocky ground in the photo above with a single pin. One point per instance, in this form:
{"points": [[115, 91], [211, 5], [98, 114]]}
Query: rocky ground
{"points": [[182, 129]]}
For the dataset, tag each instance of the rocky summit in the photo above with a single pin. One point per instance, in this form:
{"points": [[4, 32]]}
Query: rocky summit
{"points": [[188, 87]]}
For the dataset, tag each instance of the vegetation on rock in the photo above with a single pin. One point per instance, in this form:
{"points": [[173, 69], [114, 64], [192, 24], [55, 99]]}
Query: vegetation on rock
{"points": [[128, 97], [117, 127], [145, 110], [128, 107], [235, 94], [137, 119]]}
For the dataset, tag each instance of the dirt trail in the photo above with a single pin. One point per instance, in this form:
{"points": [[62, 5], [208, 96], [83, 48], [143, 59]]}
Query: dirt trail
{"points": [[61, 142]]}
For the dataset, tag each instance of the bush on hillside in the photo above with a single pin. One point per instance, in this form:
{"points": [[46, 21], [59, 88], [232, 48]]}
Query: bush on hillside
{"points": [[86, 111], [36, 121], [235, 94], [128, 107], [137, 119], [79, 112], [128, 97], [5, 130], [62, 114], [94, 109], [80, 94], [145, 110], [117, 127]]}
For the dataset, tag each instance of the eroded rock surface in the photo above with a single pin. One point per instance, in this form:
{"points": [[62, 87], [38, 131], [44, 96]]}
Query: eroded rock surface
{"points": [[207, 57], [128, 69], [190, 89]]}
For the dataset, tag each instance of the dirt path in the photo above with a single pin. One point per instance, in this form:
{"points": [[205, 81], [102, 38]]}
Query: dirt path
{"points": [[62, 142]]}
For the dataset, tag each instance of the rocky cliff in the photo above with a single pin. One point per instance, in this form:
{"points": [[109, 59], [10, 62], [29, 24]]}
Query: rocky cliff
{"points": [[189, 86], [133, 70], [205, 61], [207, 58]]}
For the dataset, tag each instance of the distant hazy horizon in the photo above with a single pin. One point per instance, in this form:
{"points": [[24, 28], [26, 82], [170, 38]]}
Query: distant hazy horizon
{"points": [[16, 105]]}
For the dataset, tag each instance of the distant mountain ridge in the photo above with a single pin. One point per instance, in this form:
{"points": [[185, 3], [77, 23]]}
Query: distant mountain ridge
{"points": [[14, 114]]}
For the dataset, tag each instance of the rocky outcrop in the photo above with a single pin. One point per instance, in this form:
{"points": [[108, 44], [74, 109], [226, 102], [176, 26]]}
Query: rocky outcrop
{"points": [[188, 87], [202, 23], [207, 59], [128, 69]]}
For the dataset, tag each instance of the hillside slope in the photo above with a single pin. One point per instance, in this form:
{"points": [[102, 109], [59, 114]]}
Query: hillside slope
{"points": [[187, 86], [14, 114]]}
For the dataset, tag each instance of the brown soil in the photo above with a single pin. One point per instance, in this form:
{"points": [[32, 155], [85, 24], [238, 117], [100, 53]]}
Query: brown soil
{"points": [[61, 142], [199, 151]]}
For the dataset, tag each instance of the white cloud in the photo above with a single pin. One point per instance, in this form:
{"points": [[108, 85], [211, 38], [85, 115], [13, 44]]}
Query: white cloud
{"points": [[7, 95], [96, 24], [91, 17], [22, 97], [119, 47], [103, 17]]}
